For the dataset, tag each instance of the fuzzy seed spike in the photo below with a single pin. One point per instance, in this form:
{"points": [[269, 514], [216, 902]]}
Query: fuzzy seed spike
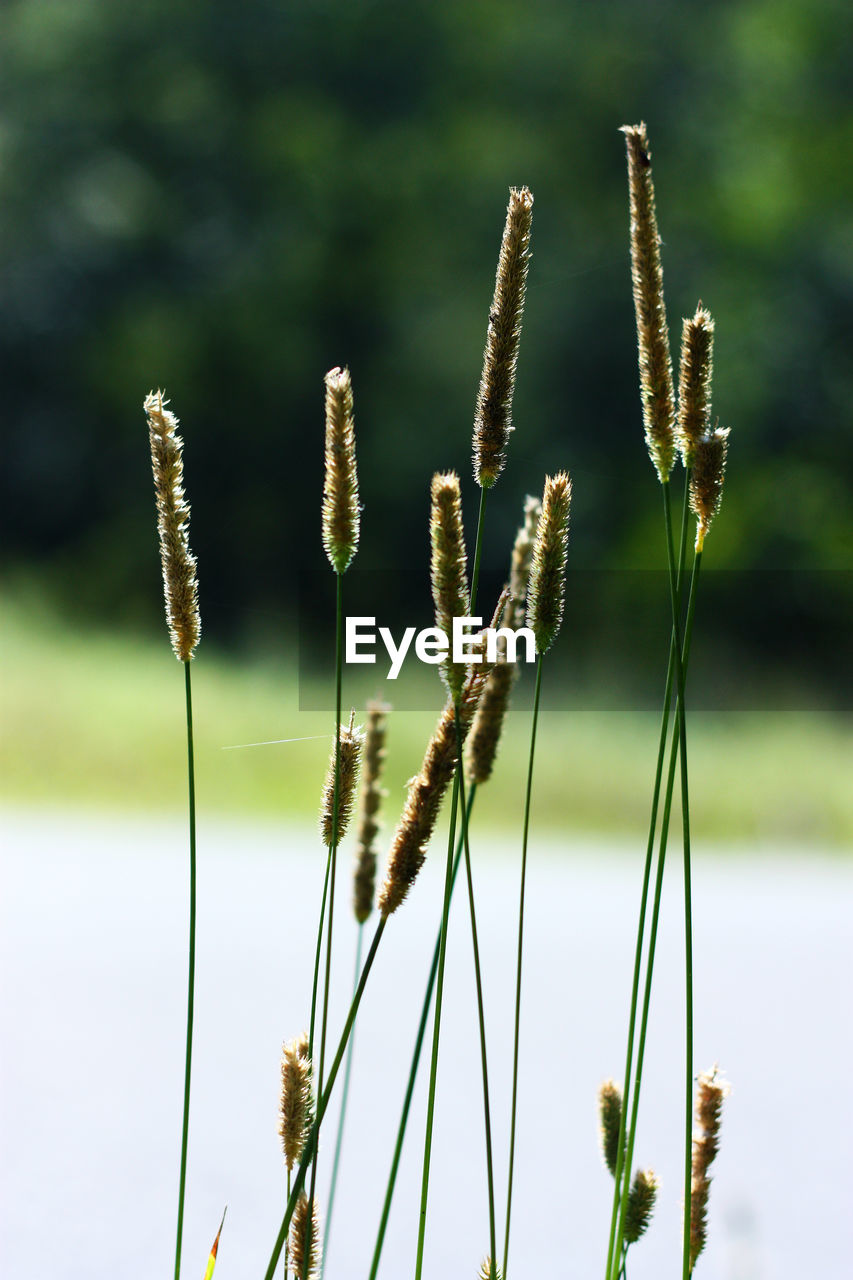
{"points": [[711, 1092], [364, 880], [641, 1204], [489, 1270], [493, 418], [547, 589], [694, 383], [706, 480], [173, 521], [351, 745], [609, 1118], [448, 568], [522, 558], [296, 1110], [305, 1231], [340, 489], [656, 385]]}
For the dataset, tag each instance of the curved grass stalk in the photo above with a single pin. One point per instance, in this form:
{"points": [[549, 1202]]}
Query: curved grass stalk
{"points": [[342, 1117], [191, 976]]}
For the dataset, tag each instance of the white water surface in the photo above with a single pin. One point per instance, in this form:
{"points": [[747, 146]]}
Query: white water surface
{"points": [[93, 951]]}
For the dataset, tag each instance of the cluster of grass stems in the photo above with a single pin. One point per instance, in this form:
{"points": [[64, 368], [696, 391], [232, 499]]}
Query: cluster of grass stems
{"points": [[461, 753]]}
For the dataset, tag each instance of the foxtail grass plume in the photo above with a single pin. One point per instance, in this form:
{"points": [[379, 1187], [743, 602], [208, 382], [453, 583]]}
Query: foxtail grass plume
{"points": [[173, 521], [351, 744], [493, 418], [609, 1119], [694, 382], [706, 480], [482, 745], [448, 569], [340, 489], [547, 589], [656, 386], [370, 801], [429, 787], [295, 1113], [711, 1092], [641, 1204], [489, 1270], [305, 1246]]}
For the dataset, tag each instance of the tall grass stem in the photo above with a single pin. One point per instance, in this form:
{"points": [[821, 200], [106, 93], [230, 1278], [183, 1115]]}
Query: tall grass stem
{"points": [[191, 976], [343, 1113]]}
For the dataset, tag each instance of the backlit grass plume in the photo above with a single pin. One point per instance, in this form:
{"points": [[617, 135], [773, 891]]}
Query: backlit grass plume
{"points": [[641, 1204], [547, 589], [173, 519], [340, 490], [370, 800], [694, 382], [448, 568], [711, 1091], [706, 479], [493, 420], [305, 1240], [656, 386], [295, 1107], [609, 1117], [351, 744]]}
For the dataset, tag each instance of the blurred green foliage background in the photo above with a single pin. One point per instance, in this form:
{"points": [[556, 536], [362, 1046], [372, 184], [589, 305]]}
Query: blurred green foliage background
{"points": [[226, 200]]}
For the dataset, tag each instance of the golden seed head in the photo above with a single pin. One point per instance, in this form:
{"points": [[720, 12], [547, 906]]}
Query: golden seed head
{"points": [[656, 386], [641, 1204], [173, 522], [448, 568], [694, 382], [493, 417], [522, 558], [489, 1270], [706, 479], [546, 592], [609, 1119], [364, 880], [340, 489], [711, 1091], [295, 1114], [305, 1245], [351, 741]]}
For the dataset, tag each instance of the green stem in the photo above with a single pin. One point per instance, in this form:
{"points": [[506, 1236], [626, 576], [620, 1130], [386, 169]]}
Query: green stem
{"points": [[413, 1069], [191, 978], [520, 950], [287, 1244], [315, 985], [342, 1117], [487, 1117], [478, 550], [333, 855], [311, 1143]]}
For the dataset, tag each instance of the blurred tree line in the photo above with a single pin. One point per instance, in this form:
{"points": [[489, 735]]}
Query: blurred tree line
{"points": [[226, 200]]}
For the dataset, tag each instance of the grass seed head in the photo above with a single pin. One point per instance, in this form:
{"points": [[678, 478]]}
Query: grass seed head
{"points": [[364, 880], [340, 489], [694, 383], [351, 744], [641, 1204], [711, 1091], [295, 1115], [305, 1245], [173, 521], [493, 418], [489, 1270], [656, 386], [547, 588], [448, 568], [609, 1119], [706, 480]]}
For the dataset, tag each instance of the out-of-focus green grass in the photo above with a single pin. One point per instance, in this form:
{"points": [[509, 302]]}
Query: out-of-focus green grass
{"points": [[98, 720]]}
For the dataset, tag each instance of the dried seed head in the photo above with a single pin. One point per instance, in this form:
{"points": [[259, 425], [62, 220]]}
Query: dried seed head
{"points": [[711, 1091], [173, 521], [340, 490], [370, 800], [295, 1113], [694, 383], [482, 744], [493, 418], [448, 568], [489, 1270], [641, 1204], [656, 387], [706, 479], [305, 1246], [609, 1118], [546, 592], [426, 792], [351, 743]]}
